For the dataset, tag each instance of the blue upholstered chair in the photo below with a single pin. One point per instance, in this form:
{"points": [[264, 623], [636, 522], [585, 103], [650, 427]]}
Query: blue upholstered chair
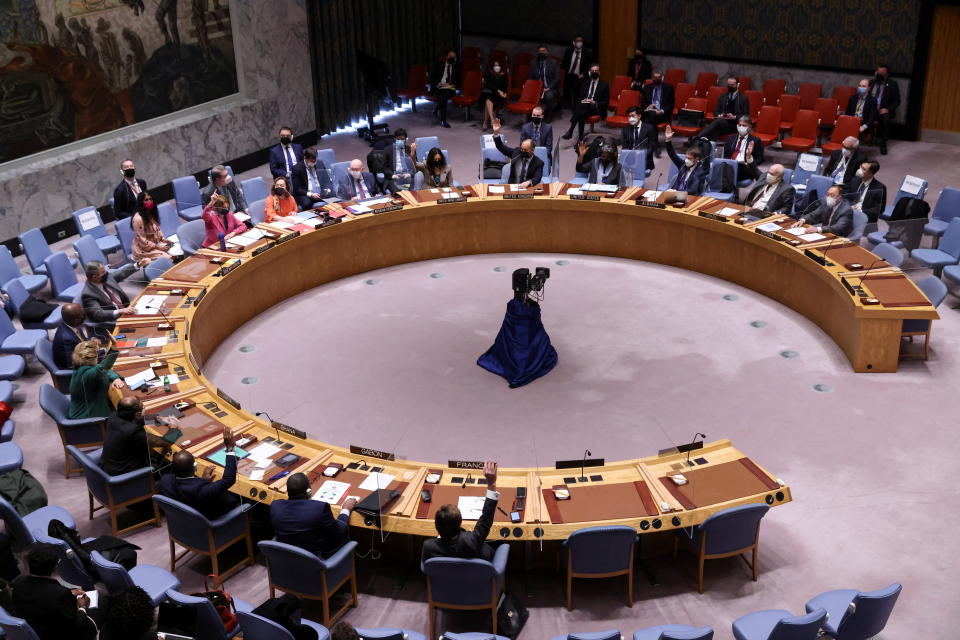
{"points": [[730, 532], [10, 271], [194, 532], [952, 273], [544, 154], [671, 174], [338, 172], [936, 292], [191, 235], [454, 583], [778, 624], [15, 628], [22, 342], [600, 552], [208, 625], [947, 253], [64, 284], [901, 193], [816, 190], [256, 627], [946, 209], [87, 250], [392, 633], [95, 228], [19, 296], [424, 145], [254, 189], [21, 528], [124, 227], [157, 268], [11, 456], [674, 632], [490, 154], [888, 252], [612, 634], [715, 182], [326, 156], [115, 492], [152, 579], [856, 615], [169, 220], [70, 568], [800, 175], [82, 433], [634, 160], [258, 210], [297, 571], [860, 221], [11, 367], [186, 194], [470, 635], [36, 249]]}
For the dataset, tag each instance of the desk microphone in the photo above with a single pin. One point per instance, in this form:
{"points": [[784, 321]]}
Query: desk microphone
{"points": [[165, 316], [656, 186], [864, 276], [702, 435], [583, 463], [466, 480], [824, 251], [272, 424]]}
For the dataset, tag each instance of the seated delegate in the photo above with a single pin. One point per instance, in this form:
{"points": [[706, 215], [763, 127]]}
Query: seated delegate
{"points": [[148, 241], [218, 221], [435, 170], [526, 169], [280, 203], [212, 499], [309, 524], [91, 382], [691, 174], [452, 540]]}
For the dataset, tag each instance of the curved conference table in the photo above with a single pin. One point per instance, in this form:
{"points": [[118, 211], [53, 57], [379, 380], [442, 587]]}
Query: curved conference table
{"points": [[209, 295]]}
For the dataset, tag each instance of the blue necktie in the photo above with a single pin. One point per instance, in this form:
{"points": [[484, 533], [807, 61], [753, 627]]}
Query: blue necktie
{"points": [[289, 154]]}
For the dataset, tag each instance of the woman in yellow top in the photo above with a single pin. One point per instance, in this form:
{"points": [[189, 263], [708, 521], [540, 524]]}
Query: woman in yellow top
{"points": [[280, 203]]}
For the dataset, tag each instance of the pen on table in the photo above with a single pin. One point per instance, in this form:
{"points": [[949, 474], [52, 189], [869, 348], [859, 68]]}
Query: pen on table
{"points": [[502, 511]]}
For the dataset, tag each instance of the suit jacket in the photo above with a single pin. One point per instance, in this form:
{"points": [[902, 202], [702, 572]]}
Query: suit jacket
{"points": [[551, 77], [124, 201], [534, 166], [98, 305], [853, 164], [890, 98], [735, 103], [781, 201], [645, 140], [874, 201], [586, 59], [212, 499], [446, 176], [64, 341], [125, 447], [546, 135], [869, 109], [731, 144], [437, 73], [278, 165], [666, 98], [613, 177], [639, 71], [50, 609], [231, 190], [466, 544], [299, 182], [601, 94], [840, 222], [214, 224], [347, 189], [697, 179], [310, 525]]}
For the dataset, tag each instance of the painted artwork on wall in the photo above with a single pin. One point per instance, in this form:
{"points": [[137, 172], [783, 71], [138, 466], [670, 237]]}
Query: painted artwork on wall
{"points": [[71, 69]]}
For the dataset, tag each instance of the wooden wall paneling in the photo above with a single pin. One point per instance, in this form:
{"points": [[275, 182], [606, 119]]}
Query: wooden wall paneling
{"points": [[941, 94], [618, 36]]}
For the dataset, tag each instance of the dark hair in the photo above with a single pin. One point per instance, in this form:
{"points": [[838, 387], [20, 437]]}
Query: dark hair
{"points": [[734, 78], [883, 65], [695, 152], [297, 485], [447, 521], [309, 153], [542, 46], [344, 631], [874, 166], [633, 109], [128, 407], [126, 615], [431, 165], [42, 559], [282, 129], [399, 131], [147, 215]]}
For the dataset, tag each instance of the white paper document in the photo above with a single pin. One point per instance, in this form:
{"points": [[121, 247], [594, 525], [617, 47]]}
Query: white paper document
{"points": [[331, 491], [172, 379], [496, 189], [263, 451], [471, 507], [608, 188], [728, 211], [257, 474], [241, 217], [808, 161], [246, 239], [769, 227], [94, 598], [376, 201], [448, 194], [175, 250], [651, 195], [912, 185], [281, 224], [376, 480], [139, 378], [359, 208], [157, 342], [796, 231], [150, 305], [88, 220], [574, 192], [812, 237]]}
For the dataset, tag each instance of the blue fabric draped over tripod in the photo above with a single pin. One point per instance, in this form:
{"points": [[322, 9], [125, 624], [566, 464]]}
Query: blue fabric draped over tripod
{"points": [[522, 351]]}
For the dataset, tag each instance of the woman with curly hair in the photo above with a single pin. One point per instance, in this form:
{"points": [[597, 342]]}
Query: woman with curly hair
{"points": [[128, 615]]}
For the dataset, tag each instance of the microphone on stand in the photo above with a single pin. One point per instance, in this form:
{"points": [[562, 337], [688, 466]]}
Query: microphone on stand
{"points": [[163, 313], [690, 446], [867, 272], [583, 463], [273, 424]]}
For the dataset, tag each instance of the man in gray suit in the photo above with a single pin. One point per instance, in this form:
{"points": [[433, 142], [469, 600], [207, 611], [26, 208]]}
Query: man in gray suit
{"points": [[222, 184], [832, 215], [102, 298], [770, 193]]}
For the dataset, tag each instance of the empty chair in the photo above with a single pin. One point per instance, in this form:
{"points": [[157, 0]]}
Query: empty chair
{"points": [[856, 615], [946, 209], [729, 532], [755, 99], [600, 552], [715, 182], [768, 125], [628, 98], [88, 251], [208, 624], [16, 628], [36, 249], [705, 80], [693, 104], [254, 189], [618, 84], [64, 284], [391, 633], [11, 455], [169, 220], [860, 221], [529, 98], [809, 92], [612, 634], [470, 635], [673, 77], [22, 342], [842, 94], [124, 229], [779, 624], [258, 210], [902, 234], [827, 108], [674, 632], [910, 187], [19, 297], [157, 268], [416, 86], [44, 353], [475, 584], [82, 433], [152, 579], [634, 162], [469, 93], [947, 253], [89, 223], [21, 528], [191, 236], [803, 131], [489, 154], [808, 164], [297, 571], [516, 80], [256, 627], [936, 291], [186, 193], [10, 271], [773, 88], [952, 273], [11, 367], [888, 252], [845, 126], [789, 106], [115, 493]]}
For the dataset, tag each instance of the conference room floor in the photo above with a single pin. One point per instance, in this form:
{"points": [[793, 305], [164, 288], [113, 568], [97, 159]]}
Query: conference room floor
{"points": [[642, 347]]}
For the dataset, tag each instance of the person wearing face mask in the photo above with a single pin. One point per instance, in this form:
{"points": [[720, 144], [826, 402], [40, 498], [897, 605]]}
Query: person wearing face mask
{"points": [[639, 69], [845, 161], [358, 184], [390, 163], [219, 220], [435, 171], [745, 148], [537, 130], [127, 446], [691, 174], [125, 194], [576, 61], [102, 298], [493, 93], [865, 193], [309, 524], [546, 70], [605, 168], [212, 499], [592, 100], [285, 156], [526, 169], [730, 107], [639, 135], [864, 106], [148, 241], [656, 104], [832, 215], [770, 194], [887, 94], [444, 81], [221, 183], [280, 202], [310, 180]]}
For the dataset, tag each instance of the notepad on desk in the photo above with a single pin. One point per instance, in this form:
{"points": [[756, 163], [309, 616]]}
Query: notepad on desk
{"points": [[796, 231], [728, 211], [376, 480], [139, 378], [812, 237], [220, 455], [770, 227], [496, 189], [471, 507]]}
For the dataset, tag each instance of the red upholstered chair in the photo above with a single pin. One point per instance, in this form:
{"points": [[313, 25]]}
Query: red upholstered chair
{"points": [[529, 98], [681, 93], [713, 96], [846, 126], [470, 53], [628, 98], [809, 92], [756, 101], [697, 104], [705, 80], [470, 93], [842, 95], [744, 83], [618, 84], [466, 66], [522, 60], [772, 90], [515, 86], [416, 85], [497, 54], [673, 77], [827, 108], [804, 132], [768, 125], [789, 105]]}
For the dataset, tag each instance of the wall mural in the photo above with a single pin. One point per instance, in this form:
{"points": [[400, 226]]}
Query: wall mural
{"points": [[71, 69]]}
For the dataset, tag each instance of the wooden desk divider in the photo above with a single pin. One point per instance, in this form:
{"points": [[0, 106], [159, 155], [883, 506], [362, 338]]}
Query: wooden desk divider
{"points": [[148, 359], [176, 284], [410, 498], [215, 253], [481, 190], [659, 493], [172, 398], [409, 197], [539, 514], [628, 193], [555, 188]]}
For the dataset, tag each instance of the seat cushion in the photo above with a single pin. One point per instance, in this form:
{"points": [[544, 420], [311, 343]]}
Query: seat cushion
{"points": [[108, 244], [759, 624], [34, 283], [11, 456], [39, 520], [952, 273], [6, 389], [23, 341], [154, 580], [7, 431], [654, 633], [322, 633], [936, 227], [835, 603], [71, 292], [933, 257], [191, 213], [11, 367]]}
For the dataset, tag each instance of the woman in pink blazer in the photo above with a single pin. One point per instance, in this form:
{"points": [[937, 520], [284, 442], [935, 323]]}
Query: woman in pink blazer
{"points": [[217, 218]]}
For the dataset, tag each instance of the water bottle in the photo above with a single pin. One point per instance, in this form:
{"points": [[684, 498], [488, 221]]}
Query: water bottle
{"points": [[629, 172], [223, 242], [166, 384]]}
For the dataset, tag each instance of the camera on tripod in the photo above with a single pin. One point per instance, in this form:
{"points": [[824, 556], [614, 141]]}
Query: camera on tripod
{"points": [[524, 283]]}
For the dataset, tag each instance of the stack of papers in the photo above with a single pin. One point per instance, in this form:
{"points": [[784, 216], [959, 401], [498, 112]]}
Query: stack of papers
{"points": [[246, 238], [150, 305], [496, 189], [770, 227], [359, 208], [651, 195], [448, 194], [574, 192], [139, 378], [331, 491], [812, 237], [796, 231], [728, 211], [376, 201], [376, 480], [263, 451], [471, 507], [607, 188]]}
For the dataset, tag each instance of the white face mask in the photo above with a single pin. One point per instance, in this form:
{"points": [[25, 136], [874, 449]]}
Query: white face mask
{"points": [[578, 45], [356, 173], [634, 120], [831, 201], [690, 162], [860, 173], [496, 68], [742, 129], [772, 178], [847, 152]]}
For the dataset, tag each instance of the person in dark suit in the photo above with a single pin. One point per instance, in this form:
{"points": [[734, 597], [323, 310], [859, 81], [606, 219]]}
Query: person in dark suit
{"points": [[102, 298], [605, 168], [592, 100], [222, 184], [845, 161], [745, 148], [392, 160], [771, 194], [125, 194], [832, 215], [887, 94], [285, 156], [656, 104], [309, 524], [865, 193], [729, 108], [526, 169], [127, 445], [453, 541], [691, 174], [358, 183], [864, 106], [53, 611], [69, 334], [639, 135], [444, 80], [537, 130], [639, 69], [310, 180], [576, 60], [212, 499], [547, 71]]}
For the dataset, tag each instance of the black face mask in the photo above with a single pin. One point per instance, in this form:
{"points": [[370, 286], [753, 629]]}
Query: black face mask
{"points": [[731, 89], [286, 139], [880, 77], [140, 422], [129, 173], [594, 74], [451, 59], [541, 56], [536, 120], [279, 191], [638, 56], [657, 80], [528, 154]]}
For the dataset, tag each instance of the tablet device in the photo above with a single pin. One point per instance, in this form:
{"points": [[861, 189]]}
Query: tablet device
{"points": [[220, 455]]}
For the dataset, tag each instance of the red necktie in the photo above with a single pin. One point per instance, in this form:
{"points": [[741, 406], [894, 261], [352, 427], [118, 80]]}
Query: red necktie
{"points": [[736, 149], [113, 297]]}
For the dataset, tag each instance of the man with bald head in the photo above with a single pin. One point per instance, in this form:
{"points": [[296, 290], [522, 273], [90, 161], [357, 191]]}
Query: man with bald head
{"points": [[127, 445], [309, 524], [844, 162], [212, 499], [358, 183], [70, 333], [526, 169], [770, 193]]}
